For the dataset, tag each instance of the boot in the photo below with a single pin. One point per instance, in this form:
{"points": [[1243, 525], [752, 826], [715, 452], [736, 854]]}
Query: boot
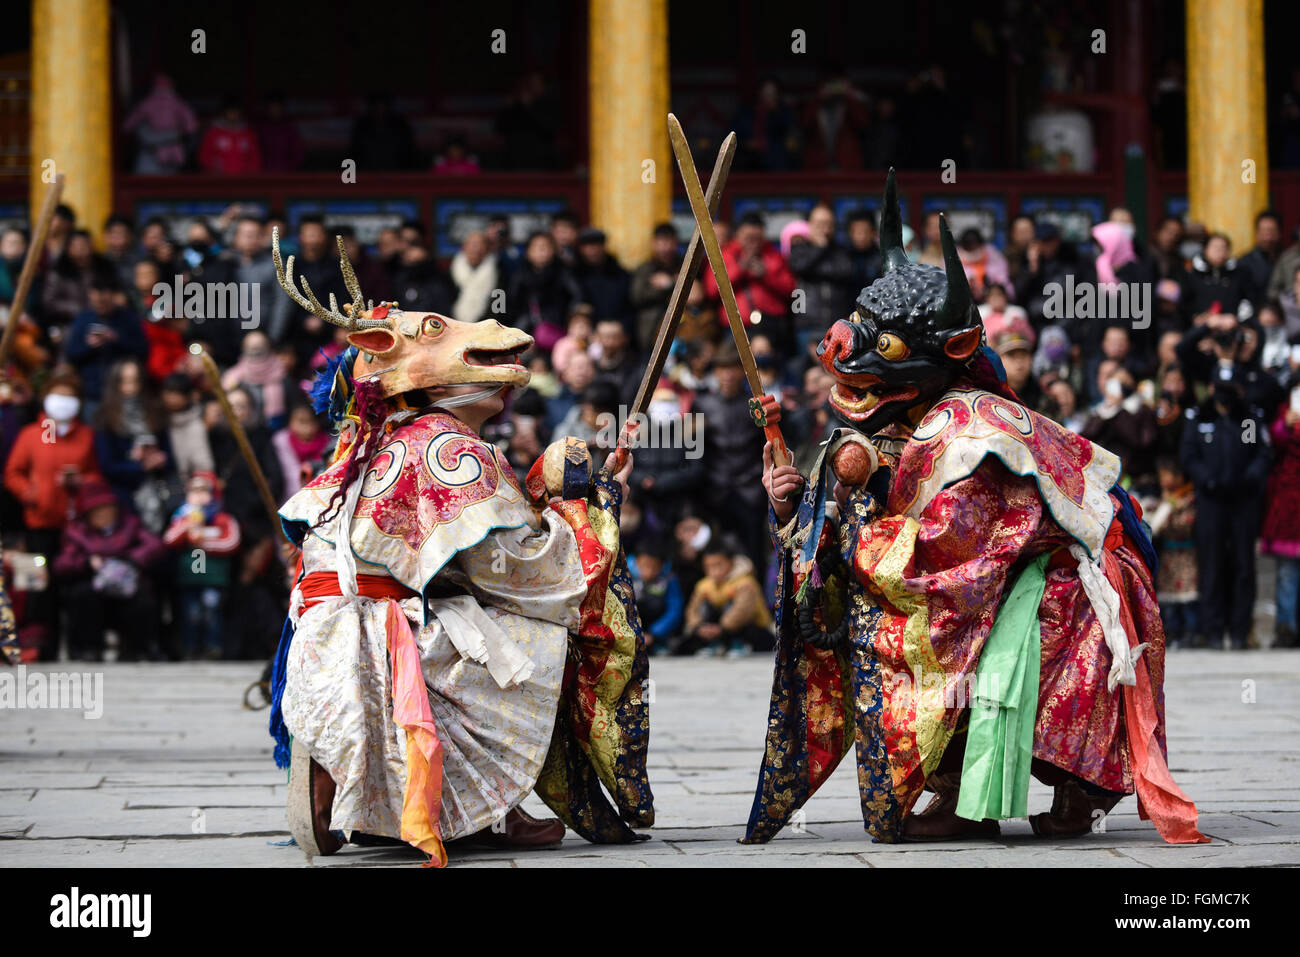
{"points": [[939, 820], [311, 799], [517, 829], [1073, 811]]}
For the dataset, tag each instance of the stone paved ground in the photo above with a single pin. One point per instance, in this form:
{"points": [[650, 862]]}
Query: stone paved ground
{"points": [[175, 773]]}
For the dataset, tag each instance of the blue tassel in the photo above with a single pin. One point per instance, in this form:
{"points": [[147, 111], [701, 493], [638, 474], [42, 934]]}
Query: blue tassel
{"points": [[322, 394], [1135, 528], [278, 730]]}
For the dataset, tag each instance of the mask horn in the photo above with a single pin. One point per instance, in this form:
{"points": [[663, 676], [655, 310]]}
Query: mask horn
{"points": [[956, 311], [891, 227]]}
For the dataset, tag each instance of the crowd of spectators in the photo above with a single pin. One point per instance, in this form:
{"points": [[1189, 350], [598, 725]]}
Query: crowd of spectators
{"points": [[127, 506]]}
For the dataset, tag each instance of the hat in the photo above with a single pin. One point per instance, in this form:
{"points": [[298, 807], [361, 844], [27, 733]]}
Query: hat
{"points": [[1047, 231], [1016, 335], [93, 494], [727, 355], [590, 235]]}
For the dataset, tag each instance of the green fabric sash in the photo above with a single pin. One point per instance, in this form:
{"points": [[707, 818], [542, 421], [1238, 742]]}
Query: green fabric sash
{"points": [[1000, 741]]}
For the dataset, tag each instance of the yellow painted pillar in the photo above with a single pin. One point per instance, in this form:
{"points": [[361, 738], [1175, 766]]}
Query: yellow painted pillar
{"points": [[71, 111], [1227, 139], [631, 163]]}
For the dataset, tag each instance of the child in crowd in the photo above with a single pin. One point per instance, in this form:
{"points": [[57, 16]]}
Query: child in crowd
{"points": [[204, 538], [1173, 525], [103, 569], [727, 613], [301, 446], [658, 596]]}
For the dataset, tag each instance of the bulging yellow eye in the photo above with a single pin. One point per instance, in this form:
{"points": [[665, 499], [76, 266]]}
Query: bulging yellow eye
{"points": [[891, 347], [433, 326]]}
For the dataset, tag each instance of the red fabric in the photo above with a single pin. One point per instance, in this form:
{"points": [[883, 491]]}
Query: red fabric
{"points": [[1280, 534], [230, 151], [166, 350], [318, 586], [769, 293], [35, 467], [1160, 800]]}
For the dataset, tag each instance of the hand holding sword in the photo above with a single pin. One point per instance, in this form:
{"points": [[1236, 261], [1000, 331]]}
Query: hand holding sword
{"points": [[777, 461], [619, 460]]}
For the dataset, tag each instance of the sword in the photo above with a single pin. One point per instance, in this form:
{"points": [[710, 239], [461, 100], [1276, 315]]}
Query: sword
{"points": [[676, 305], [703, 218]]}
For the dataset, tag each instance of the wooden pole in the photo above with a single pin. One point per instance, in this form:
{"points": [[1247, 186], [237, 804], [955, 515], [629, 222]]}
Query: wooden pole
{"points": [[241, 438], [35, 249]]}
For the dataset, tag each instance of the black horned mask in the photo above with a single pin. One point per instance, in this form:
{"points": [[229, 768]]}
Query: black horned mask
{"points": [[911, 336]]}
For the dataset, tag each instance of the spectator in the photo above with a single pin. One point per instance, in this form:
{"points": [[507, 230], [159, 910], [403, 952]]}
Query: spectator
{"points": [[1124, 424], [616, 363], [100, 336], [1230, 475], [733, 455], [1050, 263], [120, 249], [981, 261], [565, 226], [541, 292], [1280, 536], [659, 596], [825, 272], [301, 447], [835, 121], [281, 143], [230, 146], [653, 282], [1020, 238], [602, 280], [50, 460], [187, 435], [456, 159], [864, 248], [997, 312], [1173, 526], [765, 130], [205, 539], [262, 374], [103, 570], [762, 280], [1014, 344], [67, 285], [669, 467], [589, 417], [579, 372], [132, 444], [1283, 277], [248, 262], [1257, 265], [475, 274], [727, 613], [1214, 281], [578, 337], [161, 122]]}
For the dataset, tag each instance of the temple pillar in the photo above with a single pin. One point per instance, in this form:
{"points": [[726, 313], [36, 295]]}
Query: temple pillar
{"points": [[1227, 135], [632, 171], [71, 111]]}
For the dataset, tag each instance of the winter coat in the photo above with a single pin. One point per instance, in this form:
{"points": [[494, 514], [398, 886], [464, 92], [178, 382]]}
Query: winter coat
{"points": [[35, 466], [1281, 531]]}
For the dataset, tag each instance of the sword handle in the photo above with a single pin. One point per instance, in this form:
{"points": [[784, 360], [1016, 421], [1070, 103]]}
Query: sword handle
{"points": [[780, 451]]}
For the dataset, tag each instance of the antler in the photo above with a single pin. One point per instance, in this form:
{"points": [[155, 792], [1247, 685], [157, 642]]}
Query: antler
{"points": [[309, 301]]}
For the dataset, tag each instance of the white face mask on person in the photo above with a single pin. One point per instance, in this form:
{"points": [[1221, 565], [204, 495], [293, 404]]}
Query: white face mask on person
{"points": [[62, 408]]}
